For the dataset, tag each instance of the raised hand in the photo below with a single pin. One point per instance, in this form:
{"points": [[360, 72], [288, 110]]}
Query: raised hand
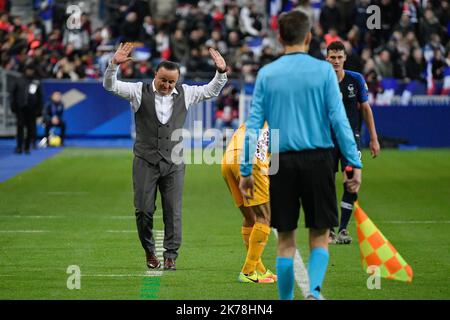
{"points": [[122, 53], [219, 61]]}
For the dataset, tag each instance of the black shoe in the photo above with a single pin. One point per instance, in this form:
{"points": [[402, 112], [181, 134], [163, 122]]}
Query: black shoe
{"points": [[27, 151], [18, 150]]}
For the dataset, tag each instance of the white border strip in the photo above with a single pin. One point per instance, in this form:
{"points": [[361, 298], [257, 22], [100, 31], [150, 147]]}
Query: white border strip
{"points": [[23, 231]]}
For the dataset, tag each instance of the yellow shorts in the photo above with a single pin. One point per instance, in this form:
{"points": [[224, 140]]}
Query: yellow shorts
{"points": [[232, 176]]}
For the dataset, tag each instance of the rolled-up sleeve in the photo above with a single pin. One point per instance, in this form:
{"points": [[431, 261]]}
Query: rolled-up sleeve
{"points": [[195, 94], [127, 90]]}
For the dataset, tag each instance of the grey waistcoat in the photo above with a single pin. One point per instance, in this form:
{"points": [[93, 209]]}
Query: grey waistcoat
{"points": [[153, 139]]}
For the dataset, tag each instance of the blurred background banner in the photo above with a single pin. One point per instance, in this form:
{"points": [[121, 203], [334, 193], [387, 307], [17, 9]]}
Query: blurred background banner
{"points": [[93, 112], [405, 63]]}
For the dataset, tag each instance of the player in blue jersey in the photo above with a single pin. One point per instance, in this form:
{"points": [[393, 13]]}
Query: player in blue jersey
{"points": [[354, 96]]}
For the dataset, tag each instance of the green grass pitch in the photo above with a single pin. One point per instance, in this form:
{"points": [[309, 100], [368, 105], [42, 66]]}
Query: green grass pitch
{"points": [[80, 206]]}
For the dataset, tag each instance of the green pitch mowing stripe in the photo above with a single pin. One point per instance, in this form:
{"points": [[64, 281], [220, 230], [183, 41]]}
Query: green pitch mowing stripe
{"points": [[83, 200]]}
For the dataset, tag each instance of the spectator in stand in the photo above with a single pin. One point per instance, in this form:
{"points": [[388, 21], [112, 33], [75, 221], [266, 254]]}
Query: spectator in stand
{"points": [[193, 65], [443, 14], [45, 11], [5, 5], [353, 37], [162, 42], [147, 34], [361, 16], [353, 61], [232, 17], [53, 115], [373, 84], [217, 24], [131, 28], [411, 41], [415, 66], [206, 65], [330, 16], [398, 67], [79, 38], [434, 44], [267, 56], [306, 6], [315, 47], [404, 25], [250, 21], [347, 14], [163, 12], [143, 70], [218, 17], [179, 47], [429, 25], [245, 63], [391, 12], [227, 109], [234, 44], [217, 43], [412, 11], [438, 65], [383, 64], [332, 36]]}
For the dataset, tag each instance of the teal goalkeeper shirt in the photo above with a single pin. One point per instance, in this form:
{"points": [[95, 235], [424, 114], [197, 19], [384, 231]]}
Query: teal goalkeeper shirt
{"points": [[298, 95]]}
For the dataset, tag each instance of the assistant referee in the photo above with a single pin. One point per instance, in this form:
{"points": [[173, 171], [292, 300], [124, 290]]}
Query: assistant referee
{"points": [[299, 95]]}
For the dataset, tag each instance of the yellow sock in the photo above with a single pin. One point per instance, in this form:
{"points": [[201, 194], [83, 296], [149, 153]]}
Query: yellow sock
{"points": [[257, 242], [246, 231]]}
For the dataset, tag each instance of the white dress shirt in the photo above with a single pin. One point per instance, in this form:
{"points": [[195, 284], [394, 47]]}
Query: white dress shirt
{"points": [[132, 91]]}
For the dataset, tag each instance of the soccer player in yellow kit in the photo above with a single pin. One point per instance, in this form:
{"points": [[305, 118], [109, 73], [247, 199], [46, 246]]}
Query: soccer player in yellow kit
{"points": [[256, 212]]}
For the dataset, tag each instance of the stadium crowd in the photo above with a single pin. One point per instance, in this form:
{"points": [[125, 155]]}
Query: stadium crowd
{"points": [[414, 36]]}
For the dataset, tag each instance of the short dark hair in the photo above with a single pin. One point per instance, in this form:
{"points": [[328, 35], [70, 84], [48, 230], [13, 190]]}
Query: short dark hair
{"points": [[294, 26], [336, 46], [169, 65]]}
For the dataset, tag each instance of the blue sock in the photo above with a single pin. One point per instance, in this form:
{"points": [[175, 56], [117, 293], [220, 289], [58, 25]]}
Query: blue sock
{"points": [[285, 274], [317, 267]]}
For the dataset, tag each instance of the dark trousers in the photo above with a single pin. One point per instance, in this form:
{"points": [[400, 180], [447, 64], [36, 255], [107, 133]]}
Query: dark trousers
{"points": [[61, 125], [25, 121], [169, 178]]}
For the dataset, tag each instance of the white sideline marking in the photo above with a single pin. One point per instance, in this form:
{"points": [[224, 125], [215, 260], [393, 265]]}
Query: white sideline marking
{"points": [[147, 274], [130, 217], [23, 231], [65, 193], [121, 231], [416, 222], [31, 217], [300, 272]]}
